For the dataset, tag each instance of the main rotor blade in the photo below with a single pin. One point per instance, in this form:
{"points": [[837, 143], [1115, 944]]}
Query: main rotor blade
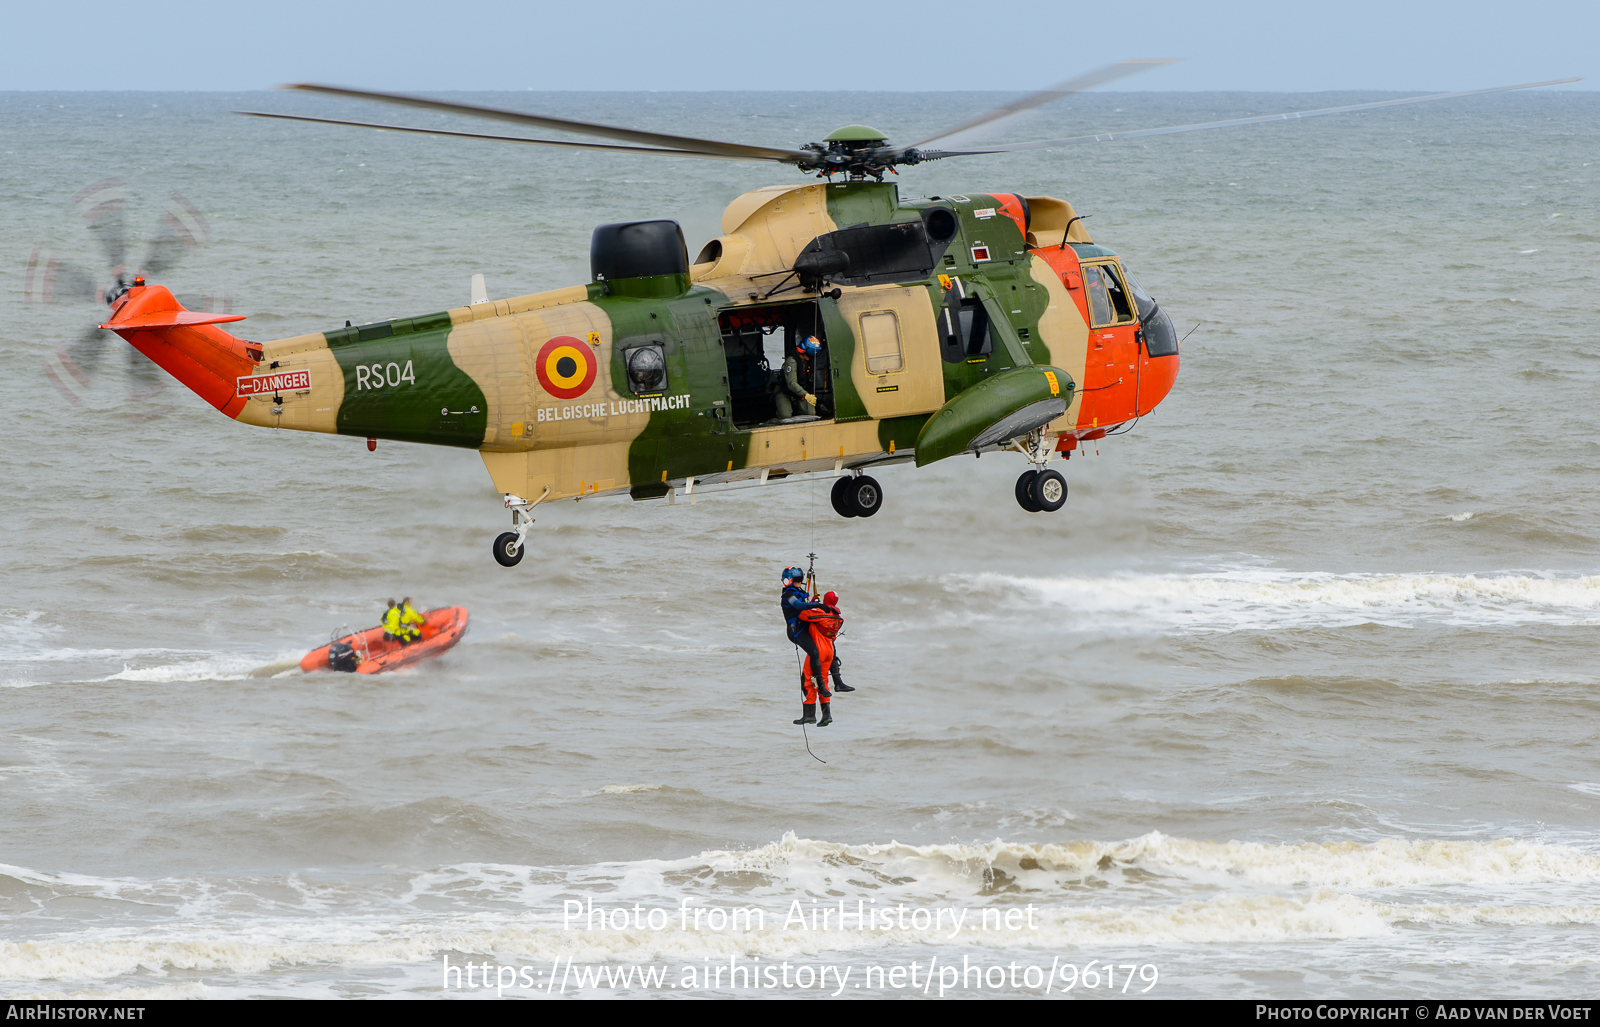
{"points": [[1173, 130], [1098, 77], [627, 135], [505, 139]]}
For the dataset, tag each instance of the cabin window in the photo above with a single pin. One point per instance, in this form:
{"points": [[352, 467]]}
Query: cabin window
{"points": [[647, 369], [880, 341], [964, 324], [977, 340]]}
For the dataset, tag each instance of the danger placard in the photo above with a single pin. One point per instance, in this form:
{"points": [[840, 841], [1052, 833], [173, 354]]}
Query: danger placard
{"points": [[283, 381]]}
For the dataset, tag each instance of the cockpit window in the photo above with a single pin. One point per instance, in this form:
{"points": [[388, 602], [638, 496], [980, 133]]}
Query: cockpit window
{"points": [[1108, 300], [1160, 338], [1141, 298], [1099, 300]]}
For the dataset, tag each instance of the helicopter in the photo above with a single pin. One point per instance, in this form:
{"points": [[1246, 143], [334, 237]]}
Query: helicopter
{"points": [[832, 327]]}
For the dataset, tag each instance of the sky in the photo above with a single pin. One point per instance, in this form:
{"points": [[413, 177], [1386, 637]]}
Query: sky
{"points": [[1251, 45]]}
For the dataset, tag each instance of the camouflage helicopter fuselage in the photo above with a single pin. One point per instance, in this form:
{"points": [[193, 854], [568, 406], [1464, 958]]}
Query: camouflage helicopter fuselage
{"points": [[905, 331], [539, 386]]}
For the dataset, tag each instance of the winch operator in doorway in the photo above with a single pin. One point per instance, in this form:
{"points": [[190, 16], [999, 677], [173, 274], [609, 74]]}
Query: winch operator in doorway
{"points": [[793, 396]]}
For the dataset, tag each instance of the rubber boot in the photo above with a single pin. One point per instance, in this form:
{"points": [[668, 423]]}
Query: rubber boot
{"points": [[838, 682], [808, 714], [827, 715]]}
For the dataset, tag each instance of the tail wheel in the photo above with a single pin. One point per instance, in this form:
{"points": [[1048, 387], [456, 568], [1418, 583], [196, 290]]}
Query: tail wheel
{"points": [[1025, 498], [841, 497], [1050, 491], [507, 553], [866, 495]]}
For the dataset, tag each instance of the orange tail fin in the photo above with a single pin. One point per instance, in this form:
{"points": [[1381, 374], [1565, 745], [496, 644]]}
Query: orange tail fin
{"points": [[187, 344]]}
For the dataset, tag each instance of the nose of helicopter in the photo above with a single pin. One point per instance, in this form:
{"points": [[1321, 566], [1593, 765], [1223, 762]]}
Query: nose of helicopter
{"points": [[1159, 375], [1160, 369]]}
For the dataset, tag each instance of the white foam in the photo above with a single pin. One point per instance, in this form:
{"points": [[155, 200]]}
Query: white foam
{"points": [[272, 947], [1382, 864], [212, 668], [1188, 892], [1257, 599], [618, 789], [938, 869]]}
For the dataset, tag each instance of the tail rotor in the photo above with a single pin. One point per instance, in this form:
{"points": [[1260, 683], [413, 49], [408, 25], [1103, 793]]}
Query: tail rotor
{"points": [[74, 368]]}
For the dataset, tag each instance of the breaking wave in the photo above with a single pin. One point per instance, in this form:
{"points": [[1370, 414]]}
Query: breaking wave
{"points": [[1149, 890], [1238, 600]]}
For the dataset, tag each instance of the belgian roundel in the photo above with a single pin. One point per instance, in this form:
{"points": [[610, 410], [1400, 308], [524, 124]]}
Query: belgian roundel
{"points": [[566, 367]]}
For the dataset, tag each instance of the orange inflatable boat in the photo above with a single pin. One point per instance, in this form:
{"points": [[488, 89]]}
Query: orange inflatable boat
{"points": [[365, 652]]}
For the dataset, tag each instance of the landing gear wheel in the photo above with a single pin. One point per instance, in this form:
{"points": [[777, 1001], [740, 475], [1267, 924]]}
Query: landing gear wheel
{"points": [[1025, 497], [841, 497], [866, 495], [507, 553], [1050, 491]]}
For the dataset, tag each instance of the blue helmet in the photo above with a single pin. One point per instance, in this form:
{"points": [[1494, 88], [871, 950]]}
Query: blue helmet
{"points": [[810, 344], [793, 574]]}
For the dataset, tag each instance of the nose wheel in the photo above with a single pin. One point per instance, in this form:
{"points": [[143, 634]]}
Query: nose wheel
{"points": [[510, 545], [1041, 489], [508, 549]]}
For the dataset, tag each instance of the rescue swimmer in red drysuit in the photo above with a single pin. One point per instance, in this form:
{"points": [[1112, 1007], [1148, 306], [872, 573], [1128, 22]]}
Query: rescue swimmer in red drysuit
{"points": [[831, 601], [802, 617]]}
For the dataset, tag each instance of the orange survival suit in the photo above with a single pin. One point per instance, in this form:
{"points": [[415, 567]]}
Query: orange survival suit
{"points": [[824, 624]]}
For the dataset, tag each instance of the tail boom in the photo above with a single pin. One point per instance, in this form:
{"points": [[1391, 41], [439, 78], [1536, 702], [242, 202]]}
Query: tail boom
{"points": [[187, 344]]}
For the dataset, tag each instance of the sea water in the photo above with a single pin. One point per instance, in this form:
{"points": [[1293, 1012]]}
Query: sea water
{"points": [[1296, 696]]}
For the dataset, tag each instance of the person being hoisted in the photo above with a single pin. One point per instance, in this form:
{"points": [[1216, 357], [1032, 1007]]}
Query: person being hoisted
{"points": [[824, 624], [831, 603], [793, 396], [794, 602]]}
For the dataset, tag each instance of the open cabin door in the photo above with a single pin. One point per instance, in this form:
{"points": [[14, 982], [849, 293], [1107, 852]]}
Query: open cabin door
{"points": [[756, 343]]}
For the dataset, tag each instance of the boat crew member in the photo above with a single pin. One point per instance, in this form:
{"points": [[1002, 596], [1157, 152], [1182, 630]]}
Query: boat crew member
{"points": [[793, 602], [831, 602], [794, 396], [391, 623], [410, 622]]}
